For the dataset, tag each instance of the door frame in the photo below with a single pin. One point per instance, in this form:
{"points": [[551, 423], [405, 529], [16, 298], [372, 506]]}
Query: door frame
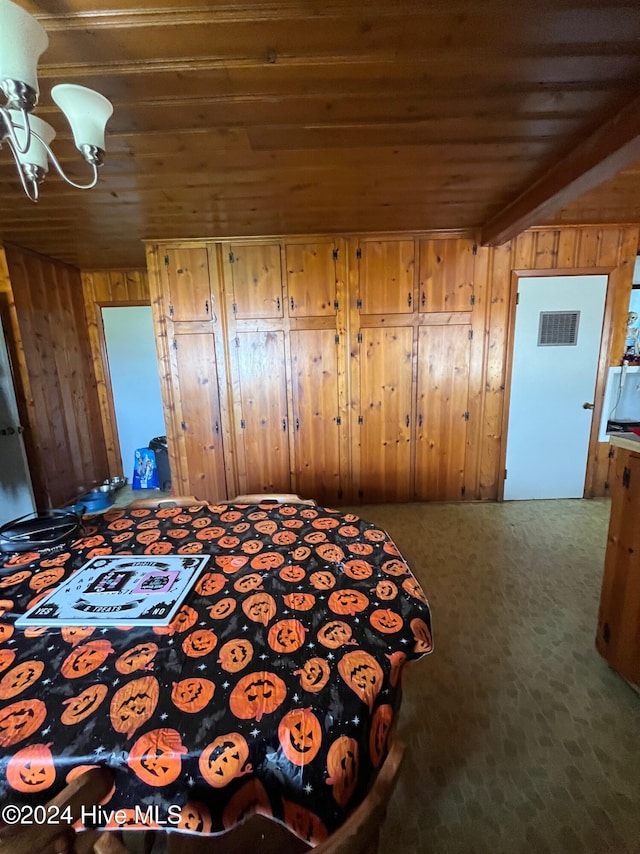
{"points": [[601, 374]]}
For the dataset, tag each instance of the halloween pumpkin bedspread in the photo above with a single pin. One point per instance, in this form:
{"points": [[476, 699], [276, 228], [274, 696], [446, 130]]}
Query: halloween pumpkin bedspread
{"points": [[273, 689]]}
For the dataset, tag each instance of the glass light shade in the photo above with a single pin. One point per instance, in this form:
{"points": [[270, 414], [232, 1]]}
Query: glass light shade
{"points": [[22, 40], [36, 154], [87, 113]]}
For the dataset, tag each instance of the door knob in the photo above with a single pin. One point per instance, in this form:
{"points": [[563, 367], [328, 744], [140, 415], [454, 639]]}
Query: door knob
{"points": [[587, 405]]}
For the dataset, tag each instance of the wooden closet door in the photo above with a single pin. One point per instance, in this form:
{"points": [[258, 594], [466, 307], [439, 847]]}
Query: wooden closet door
{"points": [[256, 281], [198, 414], [443, 393], [314, 378], [311, 279], [261, 411], [187, 280], [386, 371], [446, 275], [386, 276]]}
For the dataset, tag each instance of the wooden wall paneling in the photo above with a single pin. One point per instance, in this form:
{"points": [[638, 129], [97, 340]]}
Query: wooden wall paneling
{"points": [[499, 275], [255, 274], [477, 373], [386, 402], [264, 423], [387, 276], [442, 394], [446, 274], [311, 279]]}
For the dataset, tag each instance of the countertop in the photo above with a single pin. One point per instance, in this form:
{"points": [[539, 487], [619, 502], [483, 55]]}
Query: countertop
{"points": [[630, 441]]}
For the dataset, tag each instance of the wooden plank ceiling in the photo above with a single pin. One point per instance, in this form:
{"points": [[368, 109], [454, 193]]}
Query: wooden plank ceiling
{"points": [[319, 116]]}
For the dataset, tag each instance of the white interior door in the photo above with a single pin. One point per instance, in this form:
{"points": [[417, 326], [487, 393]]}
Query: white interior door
{"points": [[135, 381], [555, 358], [16, 495]]}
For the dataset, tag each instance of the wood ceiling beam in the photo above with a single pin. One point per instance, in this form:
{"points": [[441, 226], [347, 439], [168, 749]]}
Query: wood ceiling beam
{"points": [[612, 147]]}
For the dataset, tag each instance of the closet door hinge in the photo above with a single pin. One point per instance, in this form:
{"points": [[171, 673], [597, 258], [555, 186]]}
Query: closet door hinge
{"points": [[166, 260], [170, 311], [472, 299], [359, 339], [335, 253], [232, 257], [465, 415], [626, 477], [474, 250], [470, 334], [358, 253], [183, 425]]}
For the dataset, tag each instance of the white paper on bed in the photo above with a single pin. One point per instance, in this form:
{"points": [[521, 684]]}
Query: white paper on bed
{"points": [[112, 590]]}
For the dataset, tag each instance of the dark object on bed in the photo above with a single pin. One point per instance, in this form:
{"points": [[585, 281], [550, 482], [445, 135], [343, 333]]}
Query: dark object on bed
{"points": [[44, 529]]}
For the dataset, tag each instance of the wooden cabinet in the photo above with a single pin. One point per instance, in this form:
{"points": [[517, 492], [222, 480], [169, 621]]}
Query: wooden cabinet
{"points": [[618, 634], [336, 369]]}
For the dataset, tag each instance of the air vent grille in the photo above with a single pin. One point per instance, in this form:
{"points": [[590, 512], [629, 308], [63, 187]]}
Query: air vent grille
{"points": [[558, 328]]}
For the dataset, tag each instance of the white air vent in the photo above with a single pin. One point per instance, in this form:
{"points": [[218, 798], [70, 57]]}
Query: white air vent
{"points": [[558, 328]]}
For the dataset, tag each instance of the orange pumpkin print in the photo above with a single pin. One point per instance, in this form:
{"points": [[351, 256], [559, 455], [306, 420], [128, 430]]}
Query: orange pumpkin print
{"points": [[101, 550], [20, 720], [323, 579], [19, 560], [386, 589], [330, 552], [231, 563], [286, 635], [202, 522], [363, 675], [266, 526], [139, 657], [15, 578], [315, 537], [421, 635], [342, 768], [7, 657], [35, 632], [210, 583], [209, 533], [348, 531], [300, 736], [260, 607], [386, 621], [46, 578], [228, 542], [6, 605], [395, 567], [140, 512], [199, 643], [284, 538], [56, 560], [156, 757], [397, 660], [120, 524], [178, 533], [252, 581], [293, 573], [257, 694], [194, 818], [124, 537], [360, 548], [347, 601], [162, 548], [288, 510], [168, 512], [83, 705], [334, 634], [267, 560], [31, 769], [325, 523], [190, 548], [252, 547], [85, 659], [292, 523], [182, 519], [148, 524], [304, 823], [299, 601], [184, 619], [193, 694], [379, 734], [19, 678], [375, 535], [308, 513], [235, 655], [114, 513], [357, 569], [224, 759], [134, 704], [6, 631], [222, 609], [33, 602], [314, 674], [75, 634], [242, 528], [390, 548], [301, 553], [231, 516], [150, 536], [411, 586]]}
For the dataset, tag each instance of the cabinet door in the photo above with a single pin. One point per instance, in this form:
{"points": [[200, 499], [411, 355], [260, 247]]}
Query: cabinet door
{"points": [[443, 391], [198, 415], [314, 377], [187, 272], [311, 279], [385, 413], [263, 430], [618, 636], [256, 281], [446, 275], [386, 276]]}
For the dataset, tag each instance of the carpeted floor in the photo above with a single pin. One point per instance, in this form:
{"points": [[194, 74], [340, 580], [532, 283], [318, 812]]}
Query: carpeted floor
{"points": [[520, 738]]}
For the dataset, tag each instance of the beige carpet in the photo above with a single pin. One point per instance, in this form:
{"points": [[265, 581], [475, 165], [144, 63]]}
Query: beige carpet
{"points": [[520, 738]]}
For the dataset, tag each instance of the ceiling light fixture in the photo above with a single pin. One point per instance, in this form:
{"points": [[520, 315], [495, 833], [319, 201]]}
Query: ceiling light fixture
{"points": [[22, 41]]}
